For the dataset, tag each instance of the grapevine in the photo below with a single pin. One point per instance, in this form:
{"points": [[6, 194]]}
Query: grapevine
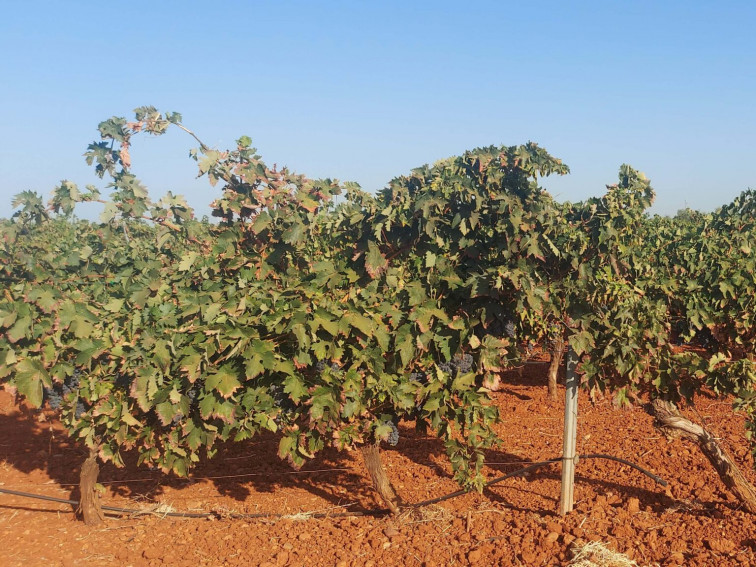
{"points": [[326, 315]]}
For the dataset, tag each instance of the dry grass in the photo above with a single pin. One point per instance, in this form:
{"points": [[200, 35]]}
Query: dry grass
{"points": [[160, 509], [432, 513], [596, 554]]}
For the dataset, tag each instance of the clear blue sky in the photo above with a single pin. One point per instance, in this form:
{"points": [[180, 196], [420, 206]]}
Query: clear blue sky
{"points": [[365, 91]]}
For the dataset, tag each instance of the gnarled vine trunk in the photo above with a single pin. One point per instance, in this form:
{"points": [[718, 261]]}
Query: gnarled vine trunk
{"points": [[372, 455], [557, 354], [89, 503], [670, 421]]}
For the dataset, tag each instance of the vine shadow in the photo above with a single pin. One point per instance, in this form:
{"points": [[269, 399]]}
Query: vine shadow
{"points": [[237, 469]]}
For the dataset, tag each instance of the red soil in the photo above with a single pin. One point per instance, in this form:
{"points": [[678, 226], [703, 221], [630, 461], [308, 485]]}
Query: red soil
{"points": [[695, 523]]}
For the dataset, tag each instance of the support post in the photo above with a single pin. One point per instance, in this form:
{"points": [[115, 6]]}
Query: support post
{"points": [[569, 454]]}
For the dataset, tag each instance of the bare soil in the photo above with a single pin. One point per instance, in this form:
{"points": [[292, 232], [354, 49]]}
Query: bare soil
{"points": [[695, 522]]}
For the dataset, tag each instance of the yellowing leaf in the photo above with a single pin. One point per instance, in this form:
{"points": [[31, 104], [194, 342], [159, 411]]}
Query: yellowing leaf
{"points": [[224, 381], [31, 376], [187, 261]]}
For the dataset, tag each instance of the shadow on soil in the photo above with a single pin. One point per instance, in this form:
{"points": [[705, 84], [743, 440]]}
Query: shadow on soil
{"points": [[28, 444], [236, 470]]}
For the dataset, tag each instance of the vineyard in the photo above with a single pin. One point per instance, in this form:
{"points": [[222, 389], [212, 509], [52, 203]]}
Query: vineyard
{"points": [[316, 321]]}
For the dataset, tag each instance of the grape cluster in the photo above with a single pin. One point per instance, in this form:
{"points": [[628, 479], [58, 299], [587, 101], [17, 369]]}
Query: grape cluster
{"points": [[282, 401], [393, 437], [419, 377], [55, 394], [192, 393], [53, 397], [679, 328], [321, 366], [461, 364], [464, 363], [553, 334], [529, 349], [122, 381], [509, 328], [276, 391], [704, 338]]}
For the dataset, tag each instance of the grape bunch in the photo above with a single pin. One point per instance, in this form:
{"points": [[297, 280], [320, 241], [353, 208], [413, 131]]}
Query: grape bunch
{"points": [[393, 437], [53, 397], [419, 377], [529, 349], [282, 401], [192, 393], [55, 394], [680, 328], [509, 328], [461, 364], [321, 366], [553, 336], [464, 363], [122, 381], [704, 338]]}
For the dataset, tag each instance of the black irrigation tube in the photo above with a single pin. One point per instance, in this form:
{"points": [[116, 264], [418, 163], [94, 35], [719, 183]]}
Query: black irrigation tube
{"points": [[540, 464], [652, 476], [381, 512]]}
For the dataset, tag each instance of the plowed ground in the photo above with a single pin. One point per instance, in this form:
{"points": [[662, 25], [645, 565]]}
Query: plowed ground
{"points": [[695, 522]]}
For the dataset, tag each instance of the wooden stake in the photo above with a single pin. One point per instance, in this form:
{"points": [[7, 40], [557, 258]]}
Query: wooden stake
{"points": [[569, 454]]}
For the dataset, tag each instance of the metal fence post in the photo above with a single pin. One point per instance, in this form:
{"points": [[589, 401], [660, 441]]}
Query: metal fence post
{"points": [[569, 455]]}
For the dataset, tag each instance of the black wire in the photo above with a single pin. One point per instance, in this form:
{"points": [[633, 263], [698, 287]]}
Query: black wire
{"points": [[235, 515], [105, 508], [380, 512]]}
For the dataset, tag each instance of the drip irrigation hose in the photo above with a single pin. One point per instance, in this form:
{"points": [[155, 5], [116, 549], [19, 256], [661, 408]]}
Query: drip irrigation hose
{"points": [[652, 476], [489, 483], [113, 510], [537, 465]]}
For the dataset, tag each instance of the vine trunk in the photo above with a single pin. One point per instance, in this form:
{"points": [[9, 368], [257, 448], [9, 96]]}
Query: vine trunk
{"points": [[89, 504], [372, 455]]}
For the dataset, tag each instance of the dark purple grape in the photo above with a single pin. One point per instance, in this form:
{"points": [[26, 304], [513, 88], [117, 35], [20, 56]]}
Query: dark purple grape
{"points": [[420, 377], [52, 397], [509, 329], [393, 437], [464, 363]]}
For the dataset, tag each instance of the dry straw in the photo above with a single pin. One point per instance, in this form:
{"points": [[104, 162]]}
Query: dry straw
{"points": [[596, 554]]}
